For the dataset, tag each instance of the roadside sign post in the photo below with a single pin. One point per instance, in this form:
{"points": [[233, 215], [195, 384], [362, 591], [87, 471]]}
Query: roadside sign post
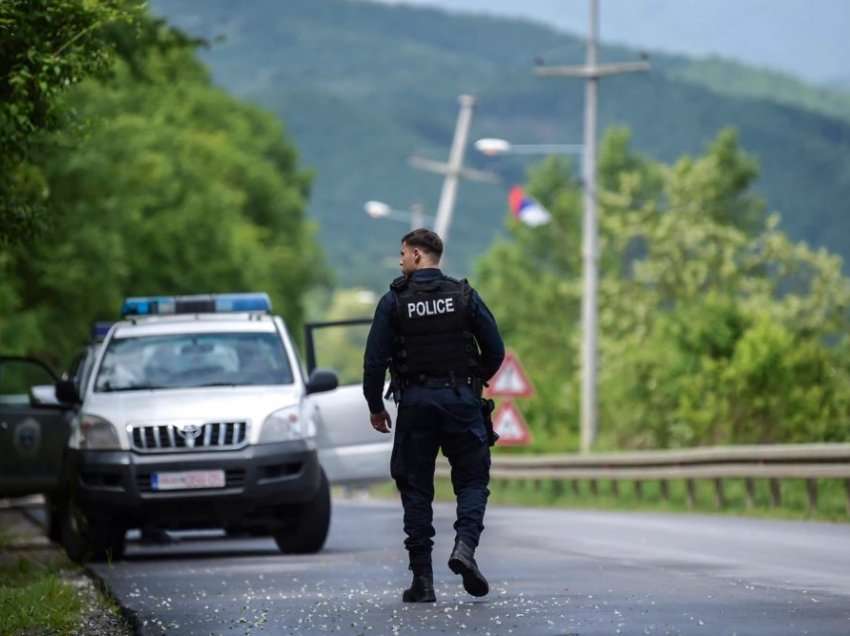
{"points": [[511, 381], [510, 425]]}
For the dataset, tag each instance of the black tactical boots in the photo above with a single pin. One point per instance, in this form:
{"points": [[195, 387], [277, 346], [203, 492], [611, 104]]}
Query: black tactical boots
{"points": [[421, 590], [462, 561]]}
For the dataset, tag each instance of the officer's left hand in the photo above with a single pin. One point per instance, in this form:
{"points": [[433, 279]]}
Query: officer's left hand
{"points": [[381, 422]]}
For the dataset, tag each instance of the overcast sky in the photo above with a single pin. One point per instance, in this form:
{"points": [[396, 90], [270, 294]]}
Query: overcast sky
{"points": [[809, 38]]}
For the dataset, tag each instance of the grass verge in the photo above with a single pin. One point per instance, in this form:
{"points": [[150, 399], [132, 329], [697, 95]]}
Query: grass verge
{"points": [[831, 500], [35, 599]]}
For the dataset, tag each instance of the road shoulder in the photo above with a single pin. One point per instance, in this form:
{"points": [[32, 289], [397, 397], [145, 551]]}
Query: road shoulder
{"points": [[41, 591]]}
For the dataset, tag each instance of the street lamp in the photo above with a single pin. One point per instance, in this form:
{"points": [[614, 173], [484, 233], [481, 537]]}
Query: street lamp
{"points": [[377, 209], [492, 146], [413, 217]]}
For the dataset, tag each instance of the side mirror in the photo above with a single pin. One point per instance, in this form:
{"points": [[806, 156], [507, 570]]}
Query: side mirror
{"points": [[66, 392], [322, 380], [44, 395]]}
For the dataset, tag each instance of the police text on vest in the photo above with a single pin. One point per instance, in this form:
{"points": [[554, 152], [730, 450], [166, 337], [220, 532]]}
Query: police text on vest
{"points": [[431, 307]]}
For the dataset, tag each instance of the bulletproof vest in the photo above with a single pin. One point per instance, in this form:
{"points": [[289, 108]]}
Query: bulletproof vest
{"points": [[433, 330]]}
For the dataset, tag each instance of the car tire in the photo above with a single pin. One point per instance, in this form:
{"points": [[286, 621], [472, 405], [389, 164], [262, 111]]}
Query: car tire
{"points": [[308, 530], [85, 539]]}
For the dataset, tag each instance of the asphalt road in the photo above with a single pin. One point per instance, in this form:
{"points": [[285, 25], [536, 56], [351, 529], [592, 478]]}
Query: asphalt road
{"points": [[551, 572]]}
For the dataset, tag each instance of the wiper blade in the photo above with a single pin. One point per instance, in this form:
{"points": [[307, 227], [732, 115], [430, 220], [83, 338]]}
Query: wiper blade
{"points": [[195, 386], [136, 387]]}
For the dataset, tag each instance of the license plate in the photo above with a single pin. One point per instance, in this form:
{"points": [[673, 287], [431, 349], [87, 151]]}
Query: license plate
{"points": [[188, 480]]}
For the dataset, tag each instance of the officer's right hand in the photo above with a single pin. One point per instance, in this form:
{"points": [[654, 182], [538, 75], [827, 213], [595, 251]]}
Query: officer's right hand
{"points": [[381, 422]]}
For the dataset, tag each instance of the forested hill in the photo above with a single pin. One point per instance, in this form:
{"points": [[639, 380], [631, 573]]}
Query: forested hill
{"points": [[361, 86]]}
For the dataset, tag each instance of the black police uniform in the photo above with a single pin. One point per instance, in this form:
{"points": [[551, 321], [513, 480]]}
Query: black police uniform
{"points": [[441, 341]]}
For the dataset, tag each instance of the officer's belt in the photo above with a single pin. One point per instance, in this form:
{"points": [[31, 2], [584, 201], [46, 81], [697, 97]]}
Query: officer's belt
{"points": [[437, 382]]}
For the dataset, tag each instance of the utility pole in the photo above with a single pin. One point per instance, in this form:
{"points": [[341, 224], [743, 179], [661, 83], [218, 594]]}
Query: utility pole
{"points": [[417, 216], [591, 71], [454, 169]]}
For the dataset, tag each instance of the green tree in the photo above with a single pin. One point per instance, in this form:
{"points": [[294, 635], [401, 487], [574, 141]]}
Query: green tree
{"points": [[45, 47], [177, 188], [715, 328], [532, 284]]}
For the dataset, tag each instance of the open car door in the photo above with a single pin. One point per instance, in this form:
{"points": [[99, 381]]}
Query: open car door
{"points": [[34, 428], [350, 450]]}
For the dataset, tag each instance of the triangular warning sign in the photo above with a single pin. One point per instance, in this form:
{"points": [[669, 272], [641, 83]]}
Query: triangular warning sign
{"points": [[510, 380], [510, 426]]}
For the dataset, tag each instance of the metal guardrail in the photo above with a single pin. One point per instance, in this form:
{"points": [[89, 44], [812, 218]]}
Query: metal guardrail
{"points": [[808, 462]]}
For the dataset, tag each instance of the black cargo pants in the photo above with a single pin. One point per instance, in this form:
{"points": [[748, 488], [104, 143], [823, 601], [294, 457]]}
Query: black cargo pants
{"points": [[430, 419]]}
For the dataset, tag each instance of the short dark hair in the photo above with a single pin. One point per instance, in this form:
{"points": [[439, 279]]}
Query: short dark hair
{"points": [[426, 240]]}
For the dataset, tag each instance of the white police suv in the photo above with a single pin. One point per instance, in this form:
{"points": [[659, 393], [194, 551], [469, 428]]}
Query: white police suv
{"points": [[194, 412]]}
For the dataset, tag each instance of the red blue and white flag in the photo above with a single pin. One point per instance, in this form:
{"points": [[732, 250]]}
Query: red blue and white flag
{"points": [[526, 209]]}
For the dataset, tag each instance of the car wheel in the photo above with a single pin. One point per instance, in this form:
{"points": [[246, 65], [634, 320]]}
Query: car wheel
{"points": [[86, 539], [309, 528]]}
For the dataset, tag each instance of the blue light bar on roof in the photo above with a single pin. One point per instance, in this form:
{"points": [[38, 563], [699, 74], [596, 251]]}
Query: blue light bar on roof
{"points": [[243, 302], [199, 304]]}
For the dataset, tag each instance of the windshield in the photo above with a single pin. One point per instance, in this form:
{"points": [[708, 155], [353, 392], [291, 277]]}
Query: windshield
{"points": [[193, 360]]}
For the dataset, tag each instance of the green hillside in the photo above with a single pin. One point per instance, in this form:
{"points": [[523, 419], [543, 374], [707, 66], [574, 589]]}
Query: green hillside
{"points": [[361, 86], [732, 78]]}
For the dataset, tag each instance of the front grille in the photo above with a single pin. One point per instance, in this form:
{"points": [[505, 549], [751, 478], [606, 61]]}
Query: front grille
{"points": [[157, 438], [233, 478]]}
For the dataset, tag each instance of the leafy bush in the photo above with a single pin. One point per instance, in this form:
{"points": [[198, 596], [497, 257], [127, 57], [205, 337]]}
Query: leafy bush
{"points": [[176, 187], [714, 327]]}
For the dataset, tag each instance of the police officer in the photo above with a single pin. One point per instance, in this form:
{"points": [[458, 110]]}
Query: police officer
{"points": [[441, 343]]}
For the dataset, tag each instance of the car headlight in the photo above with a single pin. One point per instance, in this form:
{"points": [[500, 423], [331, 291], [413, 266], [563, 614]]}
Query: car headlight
{"points": [[287, 424], [97, 433]]}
